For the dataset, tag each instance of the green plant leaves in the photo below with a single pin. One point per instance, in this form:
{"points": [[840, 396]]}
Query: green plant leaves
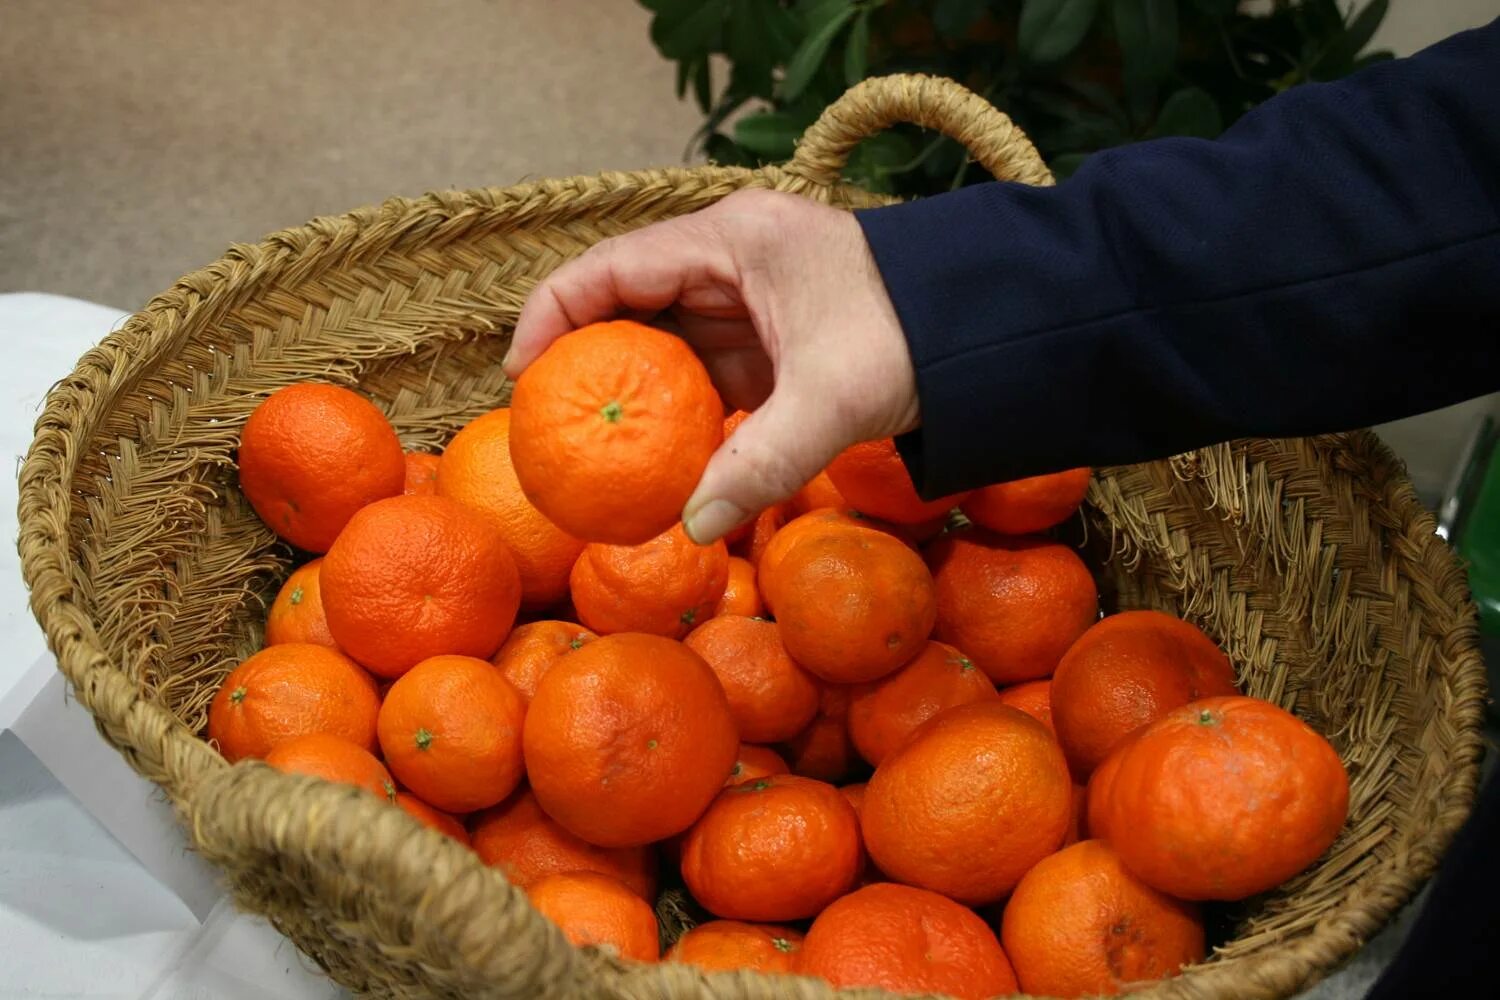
{"points": [[771, 135], [1190, 111], [1148, 34], [761, 35], [1051, 29], [682, 29], [857, 50], [1340, 56], [952, 18], [824, 21]]}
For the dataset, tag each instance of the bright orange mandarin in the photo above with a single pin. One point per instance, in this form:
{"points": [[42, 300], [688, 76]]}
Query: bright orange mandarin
{"points": [[1014, 605], [311, 455], [289, 690], [770, 697], [333, 758], [421, 474], [450, 730], [1079, 925], [629, 739], [413, 577], [1026, 506], [882, 714], [755, 762], [727, 945], [531, 649], [873, 479], [526, 844], [1032, 697], [666, 586], [594, 909], [824, 750], [613, 426], [476, 471], [1224, 798], [775, 848], [906, 940], [296, 615], [1098, 792], [1076, 821], [817, 494], [764, 528], [786, 534], [435, 818], [740, 594], [969, 802], [1124, 673], [852, 604]]}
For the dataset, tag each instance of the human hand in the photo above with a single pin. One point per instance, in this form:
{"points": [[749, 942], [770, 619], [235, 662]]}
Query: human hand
{"points": [[781, 299]]}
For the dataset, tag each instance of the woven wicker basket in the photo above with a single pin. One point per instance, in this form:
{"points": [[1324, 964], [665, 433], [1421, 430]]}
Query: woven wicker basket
{"points": [[1310, 560]]}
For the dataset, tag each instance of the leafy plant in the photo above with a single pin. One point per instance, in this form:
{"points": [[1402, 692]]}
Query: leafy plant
{"points": [[1078, 75]]}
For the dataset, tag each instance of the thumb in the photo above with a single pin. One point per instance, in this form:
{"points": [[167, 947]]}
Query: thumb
{"points": [[773, 454]]}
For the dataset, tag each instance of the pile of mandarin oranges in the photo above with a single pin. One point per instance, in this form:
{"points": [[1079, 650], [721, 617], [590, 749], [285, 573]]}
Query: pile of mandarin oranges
{"points": [[875, 741]]}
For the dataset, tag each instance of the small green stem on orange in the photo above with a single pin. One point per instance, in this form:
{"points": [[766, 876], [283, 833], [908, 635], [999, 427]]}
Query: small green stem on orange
{"points": [[781, 944], [390, 790], [1206, 718], [296, 597], [964, 663], [576, 643], [650, 744], [238, 694], [423, 739], [612, 411], [689, 616]]}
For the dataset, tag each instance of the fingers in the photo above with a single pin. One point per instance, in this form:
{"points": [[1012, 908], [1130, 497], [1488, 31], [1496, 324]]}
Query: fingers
{"points": [[778, 448], [642, 271]]}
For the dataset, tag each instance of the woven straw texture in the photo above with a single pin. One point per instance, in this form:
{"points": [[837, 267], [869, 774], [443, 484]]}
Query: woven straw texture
{"points": [[1311, 561]]}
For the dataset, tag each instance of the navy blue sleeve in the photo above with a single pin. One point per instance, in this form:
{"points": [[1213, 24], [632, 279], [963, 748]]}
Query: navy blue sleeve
{"points": [[1331, 261]]}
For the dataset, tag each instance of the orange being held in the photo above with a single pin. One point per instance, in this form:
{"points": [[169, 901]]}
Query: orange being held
{"points": [[1223, 798], [741, 597], [770, 696], [906, 940], [296, 615], [1127, 671], [1013, 605], [824, 750], [1026, 506], [288, 690], [1032, 697], [436, 819], [666, 586], [476, 471], [755, 762], [968, 803], [883, 713], [526, 844], [531, 649], [872, 478], [421, 474], [775, 848], [629, 739], [1079, 924], [414, 577], [611, 429], [450, 730], [729, 945], [333, 758], [312, 455], [599, 911]]}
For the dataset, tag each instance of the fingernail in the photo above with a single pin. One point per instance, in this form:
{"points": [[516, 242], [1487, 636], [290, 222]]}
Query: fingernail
{"points": [[711, 521], [505, 361]]}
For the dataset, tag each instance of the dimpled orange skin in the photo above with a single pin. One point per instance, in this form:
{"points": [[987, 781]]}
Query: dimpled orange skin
{"points": [[450, 730], [421, 474], [1026, 506], [629, 739], [852, 604], [1032, 697], [1224, 798], [312, 455], [333, 759], [667, 586], [1095, 824], [436, 819], [1014, 605], [768, 558], [973, 799], [596, 910], [884, 713], [728, 945], [289, 690], [1079, 924], [770, 697], [775, 848], [740, 594], [906, 940], [755, 762], [413, 577], [611, 429], [762, 529], [476, 471], [872, 478], [531, 649], [526, 844], [296, 615], [1127, 671], [824, 750]]}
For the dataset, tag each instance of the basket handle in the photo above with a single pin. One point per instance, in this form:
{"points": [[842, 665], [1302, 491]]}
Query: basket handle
{"points": [[874, 105]]}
